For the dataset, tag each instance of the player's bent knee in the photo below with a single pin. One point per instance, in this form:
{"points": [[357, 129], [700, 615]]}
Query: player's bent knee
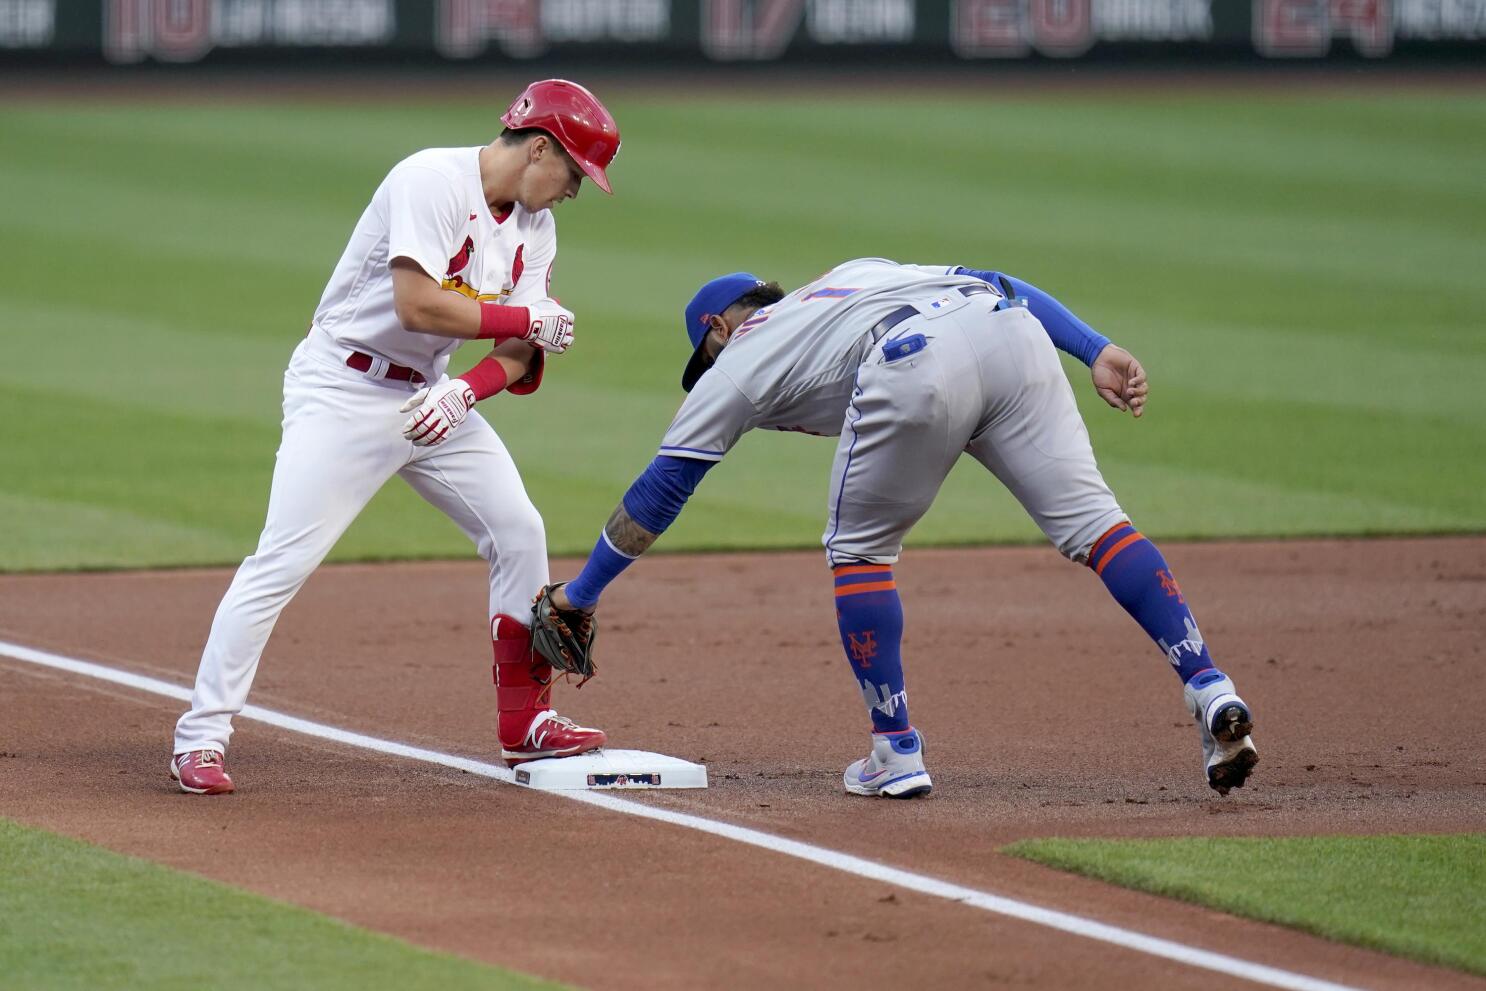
{"points": [[838, 554], [520, 530], [1075, 541], [1074, 545], [286, 564], [1076, 551], [1076, 537]]}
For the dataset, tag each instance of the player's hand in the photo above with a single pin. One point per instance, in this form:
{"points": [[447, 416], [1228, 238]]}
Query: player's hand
{"points": [[560, 599], [438, 411], [1120, 380], [551, 327]]}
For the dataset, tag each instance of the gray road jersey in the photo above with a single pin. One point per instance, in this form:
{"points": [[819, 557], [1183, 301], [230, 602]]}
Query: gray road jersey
{"points": [[791, 366]]}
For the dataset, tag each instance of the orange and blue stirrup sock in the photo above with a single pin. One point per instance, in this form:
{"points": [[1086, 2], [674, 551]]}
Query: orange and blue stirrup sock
{"points": [[1139, 579], [870, 617]]}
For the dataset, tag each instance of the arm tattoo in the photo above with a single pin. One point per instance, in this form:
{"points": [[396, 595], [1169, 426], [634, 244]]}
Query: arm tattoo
{"points": [[627, 535]]}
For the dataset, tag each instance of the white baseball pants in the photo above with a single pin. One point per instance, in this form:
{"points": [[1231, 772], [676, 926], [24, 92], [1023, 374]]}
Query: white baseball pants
{"points": [[342, 440]]}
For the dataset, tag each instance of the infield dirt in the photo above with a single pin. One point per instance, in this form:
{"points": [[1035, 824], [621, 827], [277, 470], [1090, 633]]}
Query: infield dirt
{"points": [[1046, 711]]}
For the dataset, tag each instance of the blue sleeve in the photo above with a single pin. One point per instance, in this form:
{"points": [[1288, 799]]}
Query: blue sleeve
{"points": [[1067, 332], [653, 501]]}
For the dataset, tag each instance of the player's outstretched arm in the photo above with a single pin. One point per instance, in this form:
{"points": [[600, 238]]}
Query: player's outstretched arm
{"points": [[627, 537], [1120, 380], [650, 506]]}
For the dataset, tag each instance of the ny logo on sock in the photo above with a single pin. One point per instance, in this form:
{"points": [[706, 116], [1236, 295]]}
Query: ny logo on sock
{"points": [[1169, 586], [863, 649]]}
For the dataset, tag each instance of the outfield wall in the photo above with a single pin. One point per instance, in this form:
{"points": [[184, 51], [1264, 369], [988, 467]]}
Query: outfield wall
{"points": [[642, 33]]}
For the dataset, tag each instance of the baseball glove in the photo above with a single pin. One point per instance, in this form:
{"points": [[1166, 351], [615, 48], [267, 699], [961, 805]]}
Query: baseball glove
{"points": [[563, 637]]}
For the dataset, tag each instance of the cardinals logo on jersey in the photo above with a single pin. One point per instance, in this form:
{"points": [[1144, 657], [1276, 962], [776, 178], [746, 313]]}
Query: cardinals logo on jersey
{"points": [[518, 266], [461, 260]]}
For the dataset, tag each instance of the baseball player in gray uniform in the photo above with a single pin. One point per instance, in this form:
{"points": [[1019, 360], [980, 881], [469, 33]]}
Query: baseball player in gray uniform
{"points": [[909, 367]]}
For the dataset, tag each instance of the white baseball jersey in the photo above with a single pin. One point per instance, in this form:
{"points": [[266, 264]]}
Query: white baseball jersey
{"points": [[791, 366], [343, 437], [431, 209]]}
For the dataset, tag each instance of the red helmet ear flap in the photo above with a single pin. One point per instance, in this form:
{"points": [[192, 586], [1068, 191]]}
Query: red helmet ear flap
{"points": [[575, 118]]}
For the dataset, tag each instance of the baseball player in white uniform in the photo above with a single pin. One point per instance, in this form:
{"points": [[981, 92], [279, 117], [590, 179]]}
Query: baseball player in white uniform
{"points": [[457, 244], [909, 367]]}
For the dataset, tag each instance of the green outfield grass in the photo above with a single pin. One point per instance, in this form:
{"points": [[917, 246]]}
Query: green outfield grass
{"points": [[76, 916], [1417, 896], [1301, 273]]}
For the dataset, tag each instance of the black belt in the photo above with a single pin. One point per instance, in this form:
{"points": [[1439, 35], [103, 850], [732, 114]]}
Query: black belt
{"points": [[880, 328]]}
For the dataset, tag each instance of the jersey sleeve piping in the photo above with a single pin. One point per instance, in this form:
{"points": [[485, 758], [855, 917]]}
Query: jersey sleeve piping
{"points": [[694, 453], [422, 264], [712, 424]]}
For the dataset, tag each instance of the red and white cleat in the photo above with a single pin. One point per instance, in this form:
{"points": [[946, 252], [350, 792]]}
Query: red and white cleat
{"points": [[552, 735], [200, 772]]}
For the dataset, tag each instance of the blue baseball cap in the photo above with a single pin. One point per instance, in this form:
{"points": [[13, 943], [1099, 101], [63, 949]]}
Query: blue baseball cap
{"points": [[710, 300]]}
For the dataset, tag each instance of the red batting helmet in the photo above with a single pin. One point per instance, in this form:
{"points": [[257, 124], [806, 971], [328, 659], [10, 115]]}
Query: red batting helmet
{"points": [[573, 116]]}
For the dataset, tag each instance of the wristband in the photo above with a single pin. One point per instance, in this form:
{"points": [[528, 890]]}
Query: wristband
{"points": [[604, 565], [497, 322], [486, 378]]}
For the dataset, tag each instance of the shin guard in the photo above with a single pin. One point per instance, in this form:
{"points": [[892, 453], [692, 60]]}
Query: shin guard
{"points": [[523, 683]]}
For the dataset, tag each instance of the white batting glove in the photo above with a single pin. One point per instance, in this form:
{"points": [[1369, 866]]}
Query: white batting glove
{"points": [[439, 411], [551, 327]]}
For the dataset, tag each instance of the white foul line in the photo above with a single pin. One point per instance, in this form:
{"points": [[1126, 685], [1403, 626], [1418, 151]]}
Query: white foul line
{"points": [[845, 862]]}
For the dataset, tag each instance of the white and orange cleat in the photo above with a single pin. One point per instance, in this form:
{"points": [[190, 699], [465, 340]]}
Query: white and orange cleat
{"points": [[552, 735], [201, 772]]}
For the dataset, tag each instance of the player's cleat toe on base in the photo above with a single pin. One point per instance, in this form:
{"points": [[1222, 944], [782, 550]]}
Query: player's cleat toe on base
{"points": [[894, 769], [201, 772], [552, 735]]}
